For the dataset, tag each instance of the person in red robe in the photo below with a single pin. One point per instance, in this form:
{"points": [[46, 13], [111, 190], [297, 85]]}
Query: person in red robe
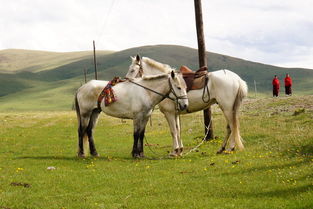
{"points": [[276, 86], [288, 84]]}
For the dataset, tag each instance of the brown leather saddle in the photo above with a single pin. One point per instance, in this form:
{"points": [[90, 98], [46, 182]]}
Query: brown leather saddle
{"points": [[194, 79]]}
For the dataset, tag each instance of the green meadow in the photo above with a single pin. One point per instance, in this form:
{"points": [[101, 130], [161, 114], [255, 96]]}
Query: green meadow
{"points": [[39, 167]]}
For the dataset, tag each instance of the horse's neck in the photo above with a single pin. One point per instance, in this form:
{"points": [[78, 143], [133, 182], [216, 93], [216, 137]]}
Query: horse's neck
{"points": [[159, 85], [152, 71], [148, 70]]}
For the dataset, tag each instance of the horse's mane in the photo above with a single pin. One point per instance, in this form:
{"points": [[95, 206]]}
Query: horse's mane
{"points": [[153, 77], [160, 66]]}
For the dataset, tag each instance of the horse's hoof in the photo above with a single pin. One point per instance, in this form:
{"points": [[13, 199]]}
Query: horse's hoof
{"points": [[180, 152], [95, 154], [220, 151], [81, 155], [176, 153], [136, 155], [173, 154], [230, 150]]}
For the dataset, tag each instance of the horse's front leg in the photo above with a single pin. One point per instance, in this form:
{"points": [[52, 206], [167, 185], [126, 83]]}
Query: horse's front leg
{"points": [[141, 145], [179, 140], [139, 134], [171, 118], [135, 152]]}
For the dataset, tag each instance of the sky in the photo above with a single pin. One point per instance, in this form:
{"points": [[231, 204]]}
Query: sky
{"points": [[276, 32]]}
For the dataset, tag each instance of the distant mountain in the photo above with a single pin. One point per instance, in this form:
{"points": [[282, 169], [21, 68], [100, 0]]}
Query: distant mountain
{"points": [[40, 79]]}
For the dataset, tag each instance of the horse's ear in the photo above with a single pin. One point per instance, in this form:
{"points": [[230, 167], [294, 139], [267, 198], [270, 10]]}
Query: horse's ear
{"points": [[138, 58], [132, 58], [172, 74]]}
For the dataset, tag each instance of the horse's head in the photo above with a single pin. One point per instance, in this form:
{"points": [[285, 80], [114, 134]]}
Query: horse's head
{"points": [[146, 66], [135, 69], [179, 90]]}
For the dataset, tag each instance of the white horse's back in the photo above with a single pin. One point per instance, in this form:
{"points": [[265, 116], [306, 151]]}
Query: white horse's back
{"points": [[226, 84], [89, 93]]}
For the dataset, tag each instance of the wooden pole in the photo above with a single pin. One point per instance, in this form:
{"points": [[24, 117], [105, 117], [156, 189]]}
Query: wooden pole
{"points": [[94, 60], [203, 62], [255, 88], [85, 75]]}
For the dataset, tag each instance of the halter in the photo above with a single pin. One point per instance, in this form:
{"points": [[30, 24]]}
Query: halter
{"points": [[163, 95], [140, 72]]}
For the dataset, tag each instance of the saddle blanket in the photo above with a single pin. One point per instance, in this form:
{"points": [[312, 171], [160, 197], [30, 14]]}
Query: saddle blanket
{"points": [[108, 94]]}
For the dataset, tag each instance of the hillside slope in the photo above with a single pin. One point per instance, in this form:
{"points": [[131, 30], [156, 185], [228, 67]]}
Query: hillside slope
{"points": [[53, 88], [17, 60]]}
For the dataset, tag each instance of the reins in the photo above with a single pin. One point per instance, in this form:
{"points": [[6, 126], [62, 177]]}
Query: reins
{"points": [[163, 95], [206, 88], [183, 154], [158, 93]]}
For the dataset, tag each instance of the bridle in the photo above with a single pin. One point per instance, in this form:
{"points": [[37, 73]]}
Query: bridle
{"points": [[140, 72], [163, 95]]}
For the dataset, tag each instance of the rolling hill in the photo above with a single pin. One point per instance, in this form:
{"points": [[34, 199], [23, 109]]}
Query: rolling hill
{"points": [[19, 60], [39, 80]]}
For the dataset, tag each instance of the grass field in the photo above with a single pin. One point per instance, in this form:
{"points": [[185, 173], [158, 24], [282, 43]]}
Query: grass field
{"points": [[275, 170]]}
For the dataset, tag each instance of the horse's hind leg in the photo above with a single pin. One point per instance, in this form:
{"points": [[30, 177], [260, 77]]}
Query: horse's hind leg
{"points": [[222, 149], [82, 135], [232, 136], [229, 116], [235, 139], [92, 122]]}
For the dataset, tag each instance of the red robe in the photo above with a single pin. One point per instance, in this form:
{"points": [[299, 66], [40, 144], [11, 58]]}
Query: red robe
{"points": [[276, 84], [288, 81]]}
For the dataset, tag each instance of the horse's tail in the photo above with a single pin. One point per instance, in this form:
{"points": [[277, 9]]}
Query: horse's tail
{"points": [[81, 129], [241, 94], [77, 110]]}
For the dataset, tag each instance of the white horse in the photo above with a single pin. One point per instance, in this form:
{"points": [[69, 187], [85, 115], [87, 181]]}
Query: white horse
{"points": [[136, 99], [225, 88]]}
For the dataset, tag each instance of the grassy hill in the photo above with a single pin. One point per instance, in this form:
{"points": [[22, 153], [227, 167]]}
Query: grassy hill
{"points": [[17, 60], [47, 80]]}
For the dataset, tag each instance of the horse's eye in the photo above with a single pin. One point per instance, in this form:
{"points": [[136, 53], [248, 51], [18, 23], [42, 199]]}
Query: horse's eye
{"points": [[179, 88], [132, 71]]}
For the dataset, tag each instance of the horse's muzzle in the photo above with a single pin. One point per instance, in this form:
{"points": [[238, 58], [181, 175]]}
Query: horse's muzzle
{"points": [[182, 107]]}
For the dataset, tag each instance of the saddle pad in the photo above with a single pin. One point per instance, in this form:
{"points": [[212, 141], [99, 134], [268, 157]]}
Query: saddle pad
{"points": [[108, 94]]}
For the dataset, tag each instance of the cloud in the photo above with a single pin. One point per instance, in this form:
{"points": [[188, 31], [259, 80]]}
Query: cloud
{"points": [[273, 32]]}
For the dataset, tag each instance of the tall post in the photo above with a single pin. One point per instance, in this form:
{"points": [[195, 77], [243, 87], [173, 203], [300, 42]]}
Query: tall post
{"points": [[94, 60], [203, 62], [85, 75], [255, 88]]}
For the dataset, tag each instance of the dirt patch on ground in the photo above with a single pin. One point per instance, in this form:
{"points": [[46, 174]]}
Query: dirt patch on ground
{"points": [[281, 104]]}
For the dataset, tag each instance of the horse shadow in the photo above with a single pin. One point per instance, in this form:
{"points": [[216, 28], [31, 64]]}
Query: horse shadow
{"points": [[64, 158], [89, 158]]}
